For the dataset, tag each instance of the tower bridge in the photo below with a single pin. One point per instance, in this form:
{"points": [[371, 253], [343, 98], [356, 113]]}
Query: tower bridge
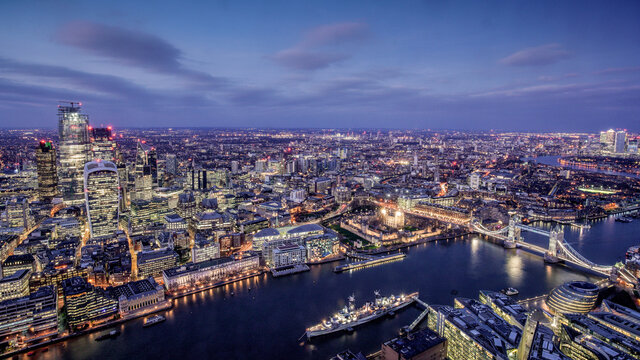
{"points": [[558, 250]]}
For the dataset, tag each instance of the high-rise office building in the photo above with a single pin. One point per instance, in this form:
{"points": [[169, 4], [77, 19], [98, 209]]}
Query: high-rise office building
{"points": [[103, 147], [47, 170], [146, 166], [607, 140], [102, 197], [620, 143], [73, 151], [171, 164]]}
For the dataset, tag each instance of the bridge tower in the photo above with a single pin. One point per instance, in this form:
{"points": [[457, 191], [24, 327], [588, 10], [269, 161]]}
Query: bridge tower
{"points": [[555, 236], [514, 235]]}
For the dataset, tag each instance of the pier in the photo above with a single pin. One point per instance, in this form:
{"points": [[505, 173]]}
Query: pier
{"points": [[420, 317], [371, 262]]}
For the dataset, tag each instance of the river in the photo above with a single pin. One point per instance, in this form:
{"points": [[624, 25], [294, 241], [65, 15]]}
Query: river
{"points": [[552, 160], [266, 321]]}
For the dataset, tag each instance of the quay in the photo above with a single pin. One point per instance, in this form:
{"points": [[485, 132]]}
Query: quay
{"points": [[365, 263], [56, 338], [194, 290]]}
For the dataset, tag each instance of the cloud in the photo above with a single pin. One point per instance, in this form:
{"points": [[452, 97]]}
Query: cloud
{"points": [[105, 85], [306, 60], [133, 48], [335, 34], [317, 48], [537, 56], [622, 70], [129, 47]]}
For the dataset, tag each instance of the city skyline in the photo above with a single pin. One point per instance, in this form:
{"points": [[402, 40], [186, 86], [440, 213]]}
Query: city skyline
{"points": [[518, 66]]}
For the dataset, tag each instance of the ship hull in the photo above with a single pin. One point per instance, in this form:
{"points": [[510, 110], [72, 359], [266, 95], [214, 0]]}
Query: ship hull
{"points": [[364, 320]]}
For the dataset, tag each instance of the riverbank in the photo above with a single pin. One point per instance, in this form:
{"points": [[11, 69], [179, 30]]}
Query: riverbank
{"points": [[414, 243], [168, 304], [214, 285]]}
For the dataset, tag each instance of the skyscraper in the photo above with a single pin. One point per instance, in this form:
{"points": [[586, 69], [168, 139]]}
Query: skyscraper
{"points": [[103, 147], [529, 334], [102, 197], [47, 170], [171, 164], [607, 140], [146, 164], [620, 143], [73, 151]]}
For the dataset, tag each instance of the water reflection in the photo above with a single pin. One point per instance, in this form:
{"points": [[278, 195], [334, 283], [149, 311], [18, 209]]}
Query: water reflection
{"points": [[514, 268]]}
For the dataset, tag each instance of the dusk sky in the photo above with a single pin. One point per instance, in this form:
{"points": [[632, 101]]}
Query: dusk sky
{"points": [[509, 65]]}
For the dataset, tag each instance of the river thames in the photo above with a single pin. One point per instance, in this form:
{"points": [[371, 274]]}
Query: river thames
{"points": [[265, 317]]}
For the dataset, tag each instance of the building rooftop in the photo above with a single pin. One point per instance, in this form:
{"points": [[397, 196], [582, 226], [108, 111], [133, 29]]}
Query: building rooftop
{"points": [[15, 276], [305, 228], [134, 288], [414, 344]]}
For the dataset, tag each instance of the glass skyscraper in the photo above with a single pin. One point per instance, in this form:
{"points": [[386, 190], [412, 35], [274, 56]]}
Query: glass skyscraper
{"points": [[73, 151], [102, 195], [103, 147], [146, 171], [47, 170]]}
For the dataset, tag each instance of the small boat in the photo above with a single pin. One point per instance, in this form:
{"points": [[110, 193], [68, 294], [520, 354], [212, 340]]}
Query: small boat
{"points": [[350, 329], [391, 313], [510, 291], [155, 319], [110, 335], [45, 349], [233, 294], [624, 219], [31, 353]]}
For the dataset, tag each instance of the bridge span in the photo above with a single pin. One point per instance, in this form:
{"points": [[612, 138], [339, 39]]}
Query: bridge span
{"points": [[559, 249]]}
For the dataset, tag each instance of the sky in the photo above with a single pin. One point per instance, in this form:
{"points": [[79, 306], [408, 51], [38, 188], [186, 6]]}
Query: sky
{"points": [[469, 65]]}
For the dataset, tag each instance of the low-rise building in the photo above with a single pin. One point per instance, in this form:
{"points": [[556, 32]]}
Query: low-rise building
{"points": [[204, 249], [421, 345], [138, 296], [85, 304], [288, 255], [15, 285], [210, 271], [35, 313], [152, 263], [14, 263]]}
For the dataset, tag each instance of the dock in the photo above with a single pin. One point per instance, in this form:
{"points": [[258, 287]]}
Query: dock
{"points": [[370, 262]]}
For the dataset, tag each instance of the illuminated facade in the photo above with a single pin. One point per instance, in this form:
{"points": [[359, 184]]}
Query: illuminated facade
{"points": [[86, 304], [73, 152], [152, 263], [322, 246], [575, 297], [146, 171], [14, 286], [103, 147], [102, 197], [47, 170], [210, 271], [35, 312]]}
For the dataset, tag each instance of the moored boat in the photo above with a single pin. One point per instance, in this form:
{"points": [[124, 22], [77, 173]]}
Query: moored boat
{"points": [[111, 334], [510, 291], [155, 319], [350, 316]]}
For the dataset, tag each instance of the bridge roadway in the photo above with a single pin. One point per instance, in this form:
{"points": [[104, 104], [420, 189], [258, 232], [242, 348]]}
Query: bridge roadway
{"points": [[570, 255]]}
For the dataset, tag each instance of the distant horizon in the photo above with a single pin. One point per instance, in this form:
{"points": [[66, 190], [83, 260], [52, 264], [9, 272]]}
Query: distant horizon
{"points": [[541, 66], [596, 132]]}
